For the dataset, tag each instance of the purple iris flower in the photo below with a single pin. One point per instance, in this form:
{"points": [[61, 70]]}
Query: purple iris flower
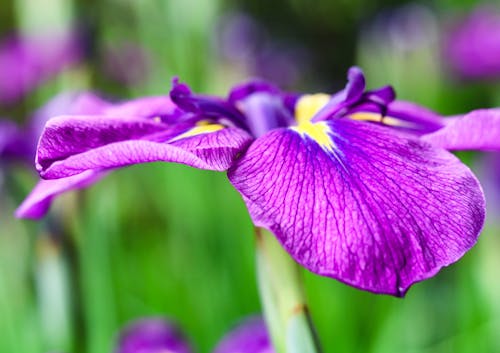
{"points": [[250, 336], [152, 335], [473, 45], [345, 182], [38, 202], [158, 335], [26, 62]]}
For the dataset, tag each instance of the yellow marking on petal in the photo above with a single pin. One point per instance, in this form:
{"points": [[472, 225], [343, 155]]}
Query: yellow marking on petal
{"points": [[157, 119], [318, 132], [202, 127], [387, 120], [308, 105]]}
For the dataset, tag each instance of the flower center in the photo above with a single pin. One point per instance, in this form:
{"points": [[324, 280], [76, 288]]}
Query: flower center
{"points": [[305, 109], [308, 105]]}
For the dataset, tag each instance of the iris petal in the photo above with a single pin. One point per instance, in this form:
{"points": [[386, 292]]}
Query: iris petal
{"points": [[71, 145], [380, 211], [477, 130], [64, 136]]}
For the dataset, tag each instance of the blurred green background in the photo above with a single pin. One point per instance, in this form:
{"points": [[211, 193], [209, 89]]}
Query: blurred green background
{"points": [[163, 239]]}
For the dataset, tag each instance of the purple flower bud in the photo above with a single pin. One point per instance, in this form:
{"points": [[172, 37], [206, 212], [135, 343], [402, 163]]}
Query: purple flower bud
{"points": [[248, 337], [151, 335]]}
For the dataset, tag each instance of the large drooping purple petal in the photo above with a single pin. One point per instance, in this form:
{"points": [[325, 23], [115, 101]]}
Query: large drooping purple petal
{"points": [[477, 130], [64, 136], [151, 335], [376, 209], [37, 203], [74, 144], [250, 336]]}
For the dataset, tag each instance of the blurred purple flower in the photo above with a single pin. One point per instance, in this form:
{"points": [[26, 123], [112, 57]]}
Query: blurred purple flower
{"points": [[151, 335], [239, 36], [250, 336], [244, 42], [344, 181], [12, 143], [472, 47], [26, 62], [126, 63]]}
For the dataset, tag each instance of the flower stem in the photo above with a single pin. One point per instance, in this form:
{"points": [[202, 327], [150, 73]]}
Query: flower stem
{"points": [[283, 299]]}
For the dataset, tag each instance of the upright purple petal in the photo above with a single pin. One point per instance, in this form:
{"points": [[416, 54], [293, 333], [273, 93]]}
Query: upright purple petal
{"points": [[341, 101], [477, 130], [214, 108], [362, 203], [355, 85], [151, 335], [250, 336]]}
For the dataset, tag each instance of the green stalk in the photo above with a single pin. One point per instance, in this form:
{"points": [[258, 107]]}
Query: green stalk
{"points": [[53, 292], [283, 299]]}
